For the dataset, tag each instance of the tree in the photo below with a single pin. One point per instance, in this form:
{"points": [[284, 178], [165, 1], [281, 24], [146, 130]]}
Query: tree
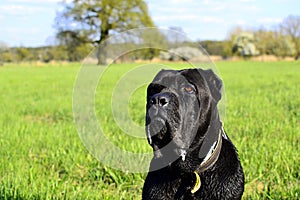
{"points": [[92, 21], [230, 41], [73, 45], [245, 46], [22, 54], [264, 40], [291, 28], [3, 49], [214, 47], [153, 38], [281, 45], [184, 53]]}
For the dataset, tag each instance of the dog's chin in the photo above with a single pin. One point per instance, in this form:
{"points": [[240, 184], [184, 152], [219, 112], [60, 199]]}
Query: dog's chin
{"points": [[156, 126], [171, 159], [181, 166]]}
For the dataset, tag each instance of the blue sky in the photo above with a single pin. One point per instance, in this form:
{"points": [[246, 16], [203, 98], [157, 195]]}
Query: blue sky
{"points": [[30, 22]]}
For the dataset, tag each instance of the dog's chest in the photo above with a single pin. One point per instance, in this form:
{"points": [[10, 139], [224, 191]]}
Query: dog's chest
{"points": [[169, 189]]}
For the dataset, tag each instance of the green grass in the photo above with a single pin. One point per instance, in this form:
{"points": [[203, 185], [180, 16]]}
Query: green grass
{"points": [[42, 156]]}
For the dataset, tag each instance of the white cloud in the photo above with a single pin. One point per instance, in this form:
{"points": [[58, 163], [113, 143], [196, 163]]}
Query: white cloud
{"points": [[36, 1], [180, 1], [12, 9], [189, 17], [22, 10], [17, 30], [215, 20], [247, 1], [230, 6], [175, 1], [241, 22], [207, 1], [285, 1], [252, 8], [269, 20], [216, 5]]}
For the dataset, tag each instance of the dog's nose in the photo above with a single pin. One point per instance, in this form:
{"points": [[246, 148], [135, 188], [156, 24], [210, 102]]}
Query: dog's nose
{"points": [[161, 99]]}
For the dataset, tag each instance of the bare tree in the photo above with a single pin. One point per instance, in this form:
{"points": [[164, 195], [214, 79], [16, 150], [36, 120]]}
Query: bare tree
{"points": [[291, 28]]}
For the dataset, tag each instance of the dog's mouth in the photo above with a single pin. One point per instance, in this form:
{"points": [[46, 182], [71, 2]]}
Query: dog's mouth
{"points": [[161, 131], [161, 139], [156, 129], [156, 126]]}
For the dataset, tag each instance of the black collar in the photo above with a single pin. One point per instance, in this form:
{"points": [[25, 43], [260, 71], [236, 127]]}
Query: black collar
{"points": [[209, 160], [212, 155]]}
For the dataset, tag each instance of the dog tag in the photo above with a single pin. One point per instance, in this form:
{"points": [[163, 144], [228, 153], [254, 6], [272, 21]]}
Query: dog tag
{"points": [[197, 183]]}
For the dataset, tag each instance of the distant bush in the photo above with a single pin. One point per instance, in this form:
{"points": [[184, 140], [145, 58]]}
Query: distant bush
{"points": [[181, 53]]}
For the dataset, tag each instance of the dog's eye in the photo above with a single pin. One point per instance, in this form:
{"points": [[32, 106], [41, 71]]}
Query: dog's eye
{"points": [[189, 89]]}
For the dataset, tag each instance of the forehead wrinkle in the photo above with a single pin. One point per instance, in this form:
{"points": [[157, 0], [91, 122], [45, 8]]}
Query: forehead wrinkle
{"points": [[172, 80], [164, 73]]}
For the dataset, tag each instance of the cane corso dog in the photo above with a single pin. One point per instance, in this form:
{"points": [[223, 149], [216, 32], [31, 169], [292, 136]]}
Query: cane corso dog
{"points": [[193, 156]]}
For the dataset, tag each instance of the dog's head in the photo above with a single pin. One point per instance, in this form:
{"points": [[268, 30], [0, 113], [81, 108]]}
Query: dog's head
{"points": [[181, 108]]}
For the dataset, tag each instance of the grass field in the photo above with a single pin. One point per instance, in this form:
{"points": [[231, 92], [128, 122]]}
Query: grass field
{"points": [[42, 156]]}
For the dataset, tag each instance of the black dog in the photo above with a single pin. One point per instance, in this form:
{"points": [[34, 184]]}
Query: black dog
{"points": [[193, 157]]}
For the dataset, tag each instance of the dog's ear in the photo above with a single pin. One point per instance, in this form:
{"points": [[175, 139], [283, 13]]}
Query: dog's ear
{"points": [[214, 83]]}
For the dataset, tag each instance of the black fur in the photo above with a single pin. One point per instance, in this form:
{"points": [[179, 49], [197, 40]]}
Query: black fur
{"points": [[182, 115]]}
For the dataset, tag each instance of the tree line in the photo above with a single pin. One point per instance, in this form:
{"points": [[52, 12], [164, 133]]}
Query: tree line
{"points": [[84, 24]]}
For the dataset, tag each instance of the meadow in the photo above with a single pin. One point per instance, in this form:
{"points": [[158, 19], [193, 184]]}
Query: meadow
{"points": [[42, 156]]}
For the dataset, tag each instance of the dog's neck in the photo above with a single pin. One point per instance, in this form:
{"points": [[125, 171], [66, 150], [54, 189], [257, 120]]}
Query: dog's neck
{"points": [[212, 155], [211, 136], [210, 149]]}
